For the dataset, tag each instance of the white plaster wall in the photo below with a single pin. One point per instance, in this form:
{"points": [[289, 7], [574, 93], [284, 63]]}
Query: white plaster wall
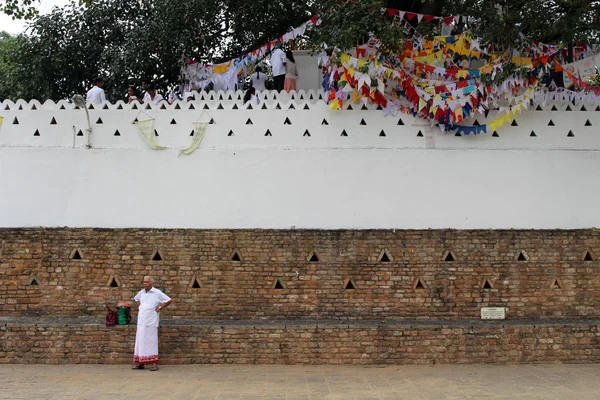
{"points": [[327, 181], [309, 73]]}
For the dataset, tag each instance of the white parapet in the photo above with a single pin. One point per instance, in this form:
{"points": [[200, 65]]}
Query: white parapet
{"points": [[386, 172]]}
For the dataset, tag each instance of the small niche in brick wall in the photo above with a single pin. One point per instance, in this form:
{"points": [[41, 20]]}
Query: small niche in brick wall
{"points": [[588, 256], [522, 256], [419, 284], [33, 281], [236, 256], [313, 257], [349, 285], [194, 284], [384, 256], [486, 284], [278, 285], [556, 284], [76, 255], [156, 256], [449, 257], [113, 282]]}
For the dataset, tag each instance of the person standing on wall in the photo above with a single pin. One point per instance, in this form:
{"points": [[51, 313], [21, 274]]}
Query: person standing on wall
{"points": [[96, 94], [258, 79], [278, 61], [291, 73], [150, 301]]}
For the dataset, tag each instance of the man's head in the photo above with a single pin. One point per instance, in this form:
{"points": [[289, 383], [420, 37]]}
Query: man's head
{"points": [[99, 82], [145, 83], [148, 282], [277, 44]]}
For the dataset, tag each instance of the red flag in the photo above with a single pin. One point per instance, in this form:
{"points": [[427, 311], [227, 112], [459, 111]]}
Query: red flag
{"points": [[428, 18], [391, 12], [410, 16]]}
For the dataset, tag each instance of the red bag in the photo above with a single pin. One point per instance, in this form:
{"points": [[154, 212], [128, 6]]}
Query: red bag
{"points": [[111, 316]]}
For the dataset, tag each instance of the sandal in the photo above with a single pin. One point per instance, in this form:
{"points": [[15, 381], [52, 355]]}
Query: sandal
{"points": [[139, 366], [154, 368]]}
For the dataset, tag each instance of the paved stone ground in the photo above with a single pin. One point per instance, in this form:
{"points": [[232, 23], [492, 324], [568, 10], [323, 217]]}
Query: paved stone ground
{"points": [[301, 382]]}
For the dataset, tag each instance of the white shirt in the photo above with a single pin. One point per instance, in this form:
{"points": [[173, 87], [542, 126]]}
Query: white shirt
{"points": [[96, 95], [277, 62], [258, 80], [147, 315], [157, 98]]}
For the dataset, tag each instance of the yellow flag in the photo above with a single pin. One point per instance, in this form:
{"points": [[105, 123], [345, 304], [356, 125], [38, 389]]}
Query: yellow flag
{"points": [[199, 131], [1, 119], [146, 130]]}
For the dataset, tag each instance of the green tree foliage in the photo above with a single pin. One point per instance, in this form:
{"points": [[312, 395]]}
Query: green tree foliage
{"points": [[549, 21], [127, 40], [19, 9], [346, 23]]}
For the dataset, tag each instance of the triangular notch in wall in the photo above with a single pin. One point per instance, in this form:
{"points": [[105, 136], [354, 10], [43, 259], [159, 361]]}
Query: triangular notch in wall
{"points": [[570, 134], [382, 133], [324, 122], [195, 284], [449, 256], [522, 256], [344, 133], [313, 257], [113, 282], [306, 133], [156, 256], [278, 285], [588, 123], [588, 256], [384, 256], [76, 255], [33, 281], [287, 121], [419, 284], [362, 122], [349, 285], [236, 256], [551, 123], [556, 284], [486, 284]]}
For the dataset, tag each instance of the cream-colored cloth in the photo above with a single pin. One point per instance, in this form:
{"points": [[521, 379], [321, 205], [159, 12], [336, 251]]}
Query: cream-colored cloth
{"points": [[199, 131], [146, 130]]}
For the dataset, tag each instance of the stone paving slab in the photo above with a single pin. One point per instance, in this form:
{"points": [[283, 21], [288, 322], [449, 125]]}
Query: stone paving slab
{"points": [[219, 382]]}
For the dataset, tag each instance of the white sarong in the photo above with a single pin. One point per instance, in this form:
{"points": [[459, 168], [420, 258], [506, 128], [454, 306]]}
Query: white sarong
{"points": [[146, 345]]}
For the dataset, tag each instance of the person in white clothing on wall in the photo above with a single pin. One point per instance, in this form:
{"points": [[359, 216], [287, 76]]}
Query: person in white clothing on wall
{"points": [[150, 301], [278, 61], [154, 97], [96, 94], [258, 79]]}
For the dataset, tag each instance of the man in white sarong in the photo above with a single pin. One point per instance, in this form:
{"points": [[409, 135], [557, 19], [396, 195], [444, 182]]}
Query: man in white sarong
{"points": [[150, 301]]}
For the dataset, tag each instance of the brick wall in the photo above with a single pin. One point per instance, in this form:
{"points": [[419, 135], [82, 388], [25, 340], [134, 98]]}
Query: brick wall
{"points": [[532, 273], [355, 343]]}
